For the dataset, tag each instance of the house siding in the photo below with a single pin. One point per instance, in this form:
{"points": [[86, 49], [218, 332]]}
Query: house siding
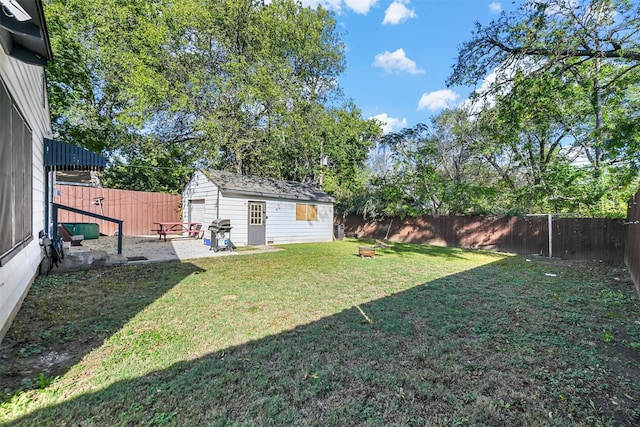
{"points": [[281, 224], [25, 85]]}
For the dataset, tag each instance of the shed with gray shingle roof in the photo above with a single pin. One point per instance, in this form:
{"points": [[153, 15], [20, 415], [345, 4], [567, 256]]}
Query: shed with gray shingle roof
{"points": [[261, 210]]}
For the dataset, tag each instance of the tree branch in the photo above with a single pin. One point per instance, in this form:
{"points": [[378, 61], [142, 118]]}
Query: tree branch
{"points": [[566, 53]]}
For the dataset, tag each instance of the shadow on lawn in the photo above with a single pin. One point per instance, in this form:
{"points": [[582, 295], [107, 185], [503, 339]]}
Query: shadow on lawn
{"points": [[413, 248], [502, 344], [68, 314]]}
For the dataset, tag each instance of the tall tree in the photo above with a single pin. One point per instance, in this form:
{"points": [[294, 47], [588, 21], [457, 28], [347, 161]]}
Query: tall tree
{"points": [[148, 166], [243, 85], [592, 43], [264, 74], [435, 170]]}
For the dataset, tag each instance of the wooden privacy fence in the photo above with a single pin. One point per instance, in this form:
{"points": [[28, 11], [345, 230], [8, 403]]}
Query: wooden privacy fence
{"points": [[137, 209], [632, 253], [571, 238]]}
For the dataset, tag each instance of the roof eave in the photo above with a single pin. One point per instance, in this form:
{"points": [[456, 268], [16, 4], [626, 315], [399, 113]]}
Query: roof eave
{"points": [[27, 41], [226, 191]]}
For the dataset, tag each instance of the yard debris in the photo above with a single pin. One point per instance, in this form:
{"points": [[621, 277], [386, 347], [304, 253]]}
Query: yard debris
{"points": [[364, 314], [550, 274], [383, 245], [307, 375]]}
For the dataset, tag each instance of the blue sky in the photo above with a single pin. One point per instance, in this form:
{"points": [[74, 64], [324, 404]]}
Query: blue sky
{"points": [[400, 53]]}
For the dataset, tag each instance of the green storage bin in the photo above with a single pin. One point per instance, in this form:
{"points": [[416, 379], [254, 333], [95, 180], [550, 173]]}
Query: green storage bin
{"points": [[89, 230]]}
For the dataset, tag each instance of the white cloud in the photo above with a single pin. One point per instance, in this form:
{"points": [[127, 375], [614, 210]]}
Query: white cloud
{"points": [[495, 7], [390, 124], [397, 13], [396, 62], [437, 100], [358, 6]]}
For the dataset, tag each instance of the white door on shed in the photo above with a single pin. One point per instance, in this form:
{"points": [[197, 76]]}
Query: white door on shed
{"points": [[257, 227], [196, 211]]}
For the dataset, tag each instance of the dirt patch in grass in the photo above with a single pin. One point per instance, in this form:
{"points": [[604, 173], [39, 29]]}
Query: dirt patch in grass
{"points": [[68, 314], [313, 335]]}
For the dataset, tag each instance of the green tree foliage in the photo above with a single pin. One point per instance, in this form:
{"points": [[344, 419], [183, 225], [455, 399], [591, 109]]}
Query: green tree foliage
{"points": [[148, 166], [242, 85], [590, 43], [505, 160], [432, 169], [566, 83], [82, 107]]}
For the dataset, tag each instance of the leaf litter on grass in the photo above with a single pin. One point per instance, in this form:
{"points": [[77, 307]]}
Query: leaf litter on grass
{"points": [[449, 337]]}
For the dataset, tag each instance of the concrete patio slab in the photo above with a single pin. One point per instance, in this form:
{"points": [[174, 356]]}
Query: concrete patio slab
{"points": [[145, 249]]}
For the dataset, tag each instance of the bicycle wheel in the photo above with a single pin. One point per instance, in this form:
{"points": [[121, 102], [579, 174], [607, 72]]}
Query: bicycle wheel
{"points": [[47, 260], [56, 254], [59, 248]]}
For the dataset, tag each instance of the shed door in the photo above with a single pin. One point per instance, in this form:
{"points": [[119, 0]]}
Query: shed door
{"points": [[196, 211], [257, 227]]}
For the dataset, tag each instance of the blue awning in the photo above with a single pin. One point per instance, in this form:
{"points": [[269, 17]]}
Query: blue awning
{"points": [[66, 157]]}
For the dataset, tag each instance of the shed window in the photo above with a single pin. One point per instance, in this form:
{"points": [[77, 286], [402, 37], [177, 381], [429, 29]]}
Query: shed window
{"points": [[15, 176], [256, 214], [306, 212]]}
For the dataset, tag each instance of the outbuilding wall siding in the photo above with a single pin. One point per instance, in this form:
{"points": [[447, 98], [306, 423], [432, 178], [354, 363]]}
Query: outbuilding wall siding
{"points": [[281, 224], [283, 227], [200, 188]]}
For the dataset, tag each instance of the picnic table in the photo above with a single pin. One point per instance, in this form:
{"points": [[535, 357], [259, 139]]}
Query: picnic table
{"points": [[193, 229]]}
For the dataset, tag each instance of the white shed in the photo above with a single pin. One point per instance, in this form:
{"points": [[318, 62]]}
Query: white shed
{"points": [[261, 210], [24, 123]]}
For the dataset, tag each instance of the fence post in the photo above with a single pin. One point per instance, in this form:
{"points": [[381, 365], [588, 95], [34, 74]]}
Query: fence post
{"points": [[550, 222], [119, 237]]}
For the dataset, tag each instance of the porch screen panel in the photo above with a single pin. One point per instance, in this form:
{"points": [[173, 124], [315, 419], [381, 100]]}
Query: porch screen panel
{"points": [[16, 176], [27, 196], [17, 137], [6, 172]]}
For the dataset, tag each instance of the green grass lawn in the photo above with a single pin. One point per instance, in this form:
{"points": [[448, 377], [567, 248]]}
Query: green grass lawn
{"points": [[315, 335]]}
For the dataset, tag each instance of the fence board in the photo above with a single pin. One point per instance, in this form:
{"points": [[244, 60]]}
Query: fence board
{"points": [[137, 209], [632, 253], [572, 238]]}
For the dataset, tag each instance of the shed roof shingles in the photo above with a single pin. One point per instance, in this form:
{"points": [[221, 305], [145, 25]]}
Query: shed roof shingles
{"points": [[266, 187]]}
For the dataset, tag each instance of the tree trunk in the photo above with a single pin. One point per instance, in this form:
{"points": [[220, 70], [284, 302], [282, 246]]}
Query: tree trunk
{"points": [[597, 104]]}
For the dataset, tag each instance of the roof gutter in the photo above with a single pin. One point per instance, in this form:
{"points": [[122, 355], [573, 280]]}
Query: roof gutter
{"points": [[279, 195]]}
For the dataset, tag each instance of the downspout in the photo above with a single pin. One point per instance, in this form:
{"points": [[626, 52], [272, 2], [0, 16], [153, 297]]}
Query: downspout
{"points": [[46, 202], [218, 203]]}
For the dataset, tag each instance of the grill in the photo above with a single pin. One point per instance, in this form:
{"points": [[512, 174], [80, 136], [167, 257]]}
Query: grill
{"points": [[220, 223], [220, 235]]}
